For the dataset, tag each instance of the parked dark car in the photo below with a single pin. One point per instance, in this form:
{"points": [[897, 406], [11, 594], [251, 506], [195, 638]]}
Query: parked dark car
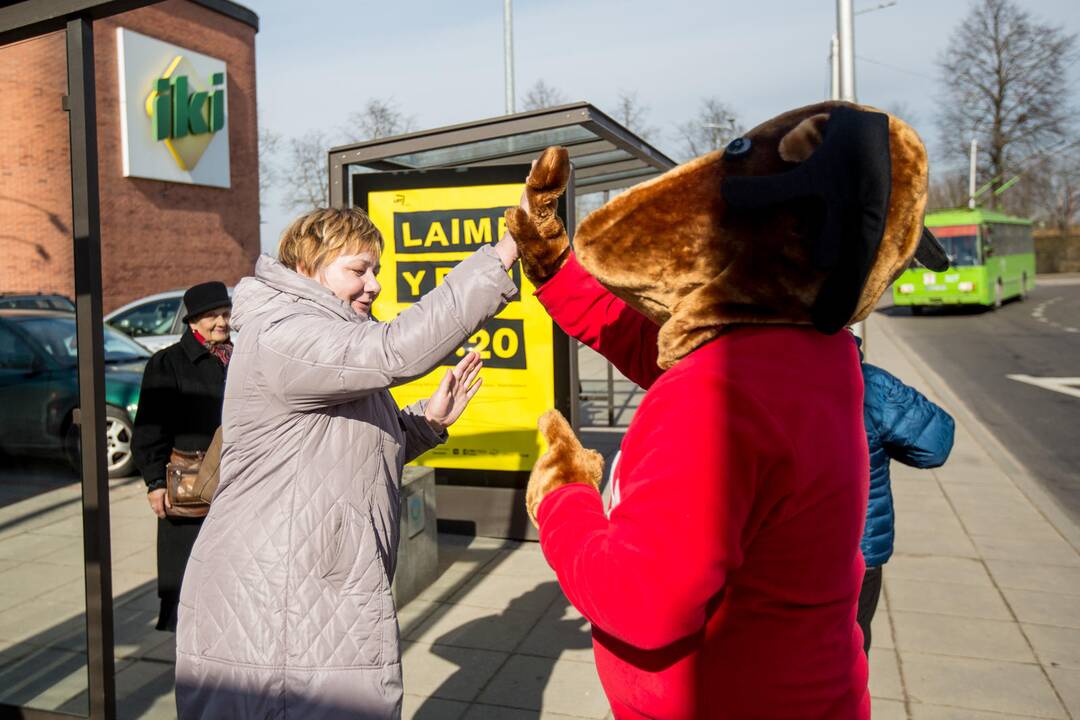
{"points": [[36, 301], [39, 387]]}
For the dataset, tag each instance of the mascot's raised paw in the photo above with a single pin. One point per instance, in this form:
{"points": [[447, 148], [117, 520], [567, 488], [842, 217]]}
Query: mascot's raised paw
{"points": [[540, 235], [565, 462]]}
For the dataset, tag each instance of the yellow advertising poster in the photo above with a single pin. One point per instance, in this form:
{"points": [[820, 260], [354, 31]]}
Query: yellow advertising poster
{"points": [[427, 231]]}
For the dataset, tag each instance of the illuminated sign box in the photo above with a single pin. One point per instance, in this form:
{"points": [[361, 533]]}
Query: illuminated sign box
{"points": [[173, 112]]}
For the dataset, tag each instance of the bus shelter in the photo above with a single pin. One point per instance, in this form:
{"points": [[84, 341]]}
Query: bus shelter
{"points": [[436, 195]]}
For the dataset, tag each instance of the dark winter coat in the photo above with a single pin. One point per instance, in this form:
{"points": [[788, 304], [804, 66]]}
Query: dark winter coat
{"points": [[901, 425], [179, 407]]}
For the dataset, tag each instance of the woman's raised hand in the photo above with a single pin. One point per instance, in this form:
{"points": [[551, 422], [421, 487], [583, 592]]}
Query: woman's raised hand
{"points": [[507, 248], [457, 388]]}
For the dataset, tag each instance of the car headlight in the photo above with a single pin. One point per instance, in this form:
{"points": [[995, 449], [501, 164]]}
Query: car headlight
{"points": [[966, 286], [907, 288]]}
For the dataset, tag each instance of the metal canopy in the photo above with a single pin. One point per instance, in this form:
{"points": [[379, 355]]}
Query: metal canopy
{"points": [[605, 155]]}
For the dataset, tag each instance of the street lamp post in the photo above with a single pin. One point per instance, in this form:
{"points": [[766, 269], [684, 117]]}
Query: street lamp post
{"points": [[508, 53], [845, 37]]}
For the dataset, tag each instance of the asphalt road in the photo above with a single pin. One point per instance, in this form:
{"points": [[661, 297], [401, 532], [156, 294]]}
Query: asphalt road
{"points": [[975, 351]]}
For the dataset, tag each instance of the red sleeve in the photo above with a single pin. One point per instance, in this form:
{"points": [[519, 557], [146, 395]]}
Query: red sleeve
{"points": [[687, 484], [584, 309]]}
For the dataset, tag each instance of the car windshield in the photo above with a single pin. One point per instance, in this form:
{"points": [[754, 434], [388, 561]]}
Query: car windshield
{"points": [[963, 250], [57, 336], [151, 318], [39, 302]]}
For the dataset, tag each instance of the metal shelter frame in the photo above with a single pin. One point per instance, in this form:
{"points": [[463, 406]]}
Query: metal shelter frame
{"points": [[605, 154]]}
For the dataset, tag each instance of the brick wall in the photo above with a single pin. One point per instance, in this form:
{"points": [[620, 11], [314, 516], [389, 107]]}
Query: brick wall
{"points": [[155, 235], [35, 168]]}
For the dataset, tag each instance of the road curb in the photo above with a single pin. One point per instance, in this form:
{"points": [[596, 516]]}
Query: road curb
{"points": [[1042, 500]]}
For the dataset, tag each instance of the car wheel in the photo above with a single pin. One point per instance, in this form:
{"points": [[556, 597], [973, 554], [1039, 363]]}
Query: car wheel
{"points": [[118, 452], [119, 458]]}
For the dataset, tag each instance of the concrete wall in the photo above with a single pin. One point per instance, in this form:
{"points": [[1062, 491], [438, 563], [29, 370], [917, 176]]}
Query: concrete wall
{"points": [[155, 235]]}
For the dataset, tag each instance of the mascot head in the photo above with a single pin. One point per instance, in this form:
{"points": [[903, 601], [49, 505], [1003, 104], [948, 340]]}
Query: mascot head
{"points": [[805, 219]]}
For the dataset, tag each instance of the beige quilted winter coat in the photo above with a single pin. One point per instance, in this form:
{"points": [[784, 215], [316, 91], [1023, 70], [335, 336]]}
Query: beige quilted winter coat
{"points": [[286, 610]]}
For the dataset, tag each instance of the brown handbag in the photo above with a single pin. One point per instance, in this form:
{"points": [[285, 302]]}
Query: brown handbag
{"points": [[191, 479]]}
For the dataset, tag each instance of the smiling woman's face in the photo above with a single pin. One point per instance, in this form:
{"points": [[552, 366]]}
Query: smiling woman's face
{"points": [[352, 279]]}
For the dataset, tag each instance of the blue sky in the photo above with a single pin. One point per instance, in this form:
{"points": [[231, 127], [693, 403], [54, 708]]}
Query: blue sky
{"points": [[442, 62]]}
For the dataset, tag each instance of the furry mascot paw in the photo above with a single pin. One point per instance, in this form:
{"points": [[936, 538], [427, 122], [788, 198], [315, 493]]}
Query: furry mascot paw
{"points": [[565, 462], [540, 235]]}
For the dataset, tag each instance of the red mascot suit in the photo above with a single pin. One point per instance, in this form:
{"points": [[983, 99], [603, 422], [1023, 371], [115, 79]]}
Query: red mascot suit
{"points": [[723, 581]]}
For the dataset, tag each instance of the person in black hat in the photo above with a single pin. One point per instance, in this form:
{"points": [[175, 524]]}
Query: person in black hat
{"points": [[183, 389]]}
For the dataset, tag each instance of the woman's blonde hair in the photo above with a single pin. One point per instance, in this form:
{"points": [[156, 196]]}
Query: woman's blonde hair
{"points": [[315, 239]]}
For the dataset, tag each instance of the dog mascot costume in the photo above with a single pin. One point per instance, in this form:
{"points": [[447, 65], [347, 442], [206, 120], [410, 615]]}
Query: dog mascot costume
{"points": [[723, 581]]}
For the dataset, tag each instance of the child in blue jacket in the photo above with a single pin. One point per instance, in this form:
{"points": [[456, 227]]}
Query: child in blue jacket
{"points": [[901, 424]]}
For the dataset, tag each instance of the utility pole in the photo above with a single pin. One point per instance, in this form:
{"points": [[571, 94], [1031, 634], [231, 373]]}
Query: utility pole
{"points": [[834, 66], [971, 174], [845, 35], [844, 73], [508, 53]]}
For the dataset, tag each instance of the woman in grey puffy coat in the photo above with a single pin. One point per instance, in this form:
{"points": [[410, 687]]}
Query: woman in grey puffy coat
{"points": [[285, 609]]}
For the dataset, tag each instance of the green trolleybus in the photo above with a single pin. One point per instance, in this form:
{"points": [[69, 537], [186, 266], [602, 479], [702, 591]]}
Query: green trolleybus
{"points": [[991, 258]]}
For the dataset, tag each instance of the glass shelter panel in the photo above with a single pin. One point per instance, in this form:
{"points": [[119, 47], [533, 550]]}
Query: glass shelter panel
{"points": [[43, 640]]}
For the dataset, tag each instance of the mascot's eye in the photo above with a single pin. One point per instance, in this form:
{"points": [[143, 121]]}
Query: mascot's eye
{"points": [[737, 147]]}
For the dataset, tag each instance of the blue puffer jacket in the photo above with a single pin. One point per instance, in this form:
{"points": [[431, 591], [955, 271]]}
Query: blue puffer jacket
{"points": [[901, 425]]}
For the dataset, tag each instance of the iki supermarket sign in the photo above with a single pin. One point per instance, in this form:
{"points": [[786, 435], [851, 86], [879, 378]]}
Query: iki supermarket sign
{"points": [[173, 106]]}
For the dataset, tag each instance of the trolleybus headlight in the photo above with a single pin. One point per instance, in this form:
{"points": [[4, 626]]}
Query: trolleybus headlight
{"points": [[966, 286], [907, 288]]}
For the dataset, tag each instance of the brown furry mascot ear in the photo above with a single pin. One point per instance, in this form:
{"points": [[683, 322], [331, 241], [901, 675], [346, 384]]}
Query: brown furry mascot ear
{"points": [[540, 235], [565, 462]]}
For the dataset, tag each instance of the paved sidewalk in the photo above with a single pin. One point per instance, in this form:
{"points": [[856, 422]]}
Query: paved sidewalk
{"points": [[980, 616]]}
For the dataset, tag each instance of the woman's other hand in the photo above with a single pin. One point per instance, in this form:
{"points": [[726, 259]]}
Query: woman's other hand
{"points": [[454, 393], [159, 501]]}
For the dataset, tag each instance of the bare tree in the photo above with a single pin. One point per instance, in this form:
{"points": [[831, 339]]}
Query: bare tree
{"points": [[269, 146], [380, 118], [949, 190], [632, 114], [306, 186], [1056, 185], [714, 126], [1003, 82], [904, 111], [540, 96]]}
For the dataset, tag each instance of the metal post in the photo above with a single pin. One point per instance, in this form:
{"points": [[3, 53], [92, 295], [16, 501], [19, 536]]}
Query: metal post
{"points": [[834, 68], [508, 53], [610, 395], [845, 32], [82, 122], [971, 173], [845, 74], [610, 369]]}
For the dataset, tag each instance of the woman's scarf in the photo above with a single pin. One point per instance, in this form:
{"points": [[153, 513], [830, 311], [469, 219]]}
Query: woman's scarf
{"points": [[222, 351]]}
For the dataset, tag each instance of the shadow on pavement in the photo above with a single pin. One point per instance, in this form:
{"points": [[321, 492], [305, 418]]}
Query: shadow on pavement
{"points": [[570, 634], [47, 670]]}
